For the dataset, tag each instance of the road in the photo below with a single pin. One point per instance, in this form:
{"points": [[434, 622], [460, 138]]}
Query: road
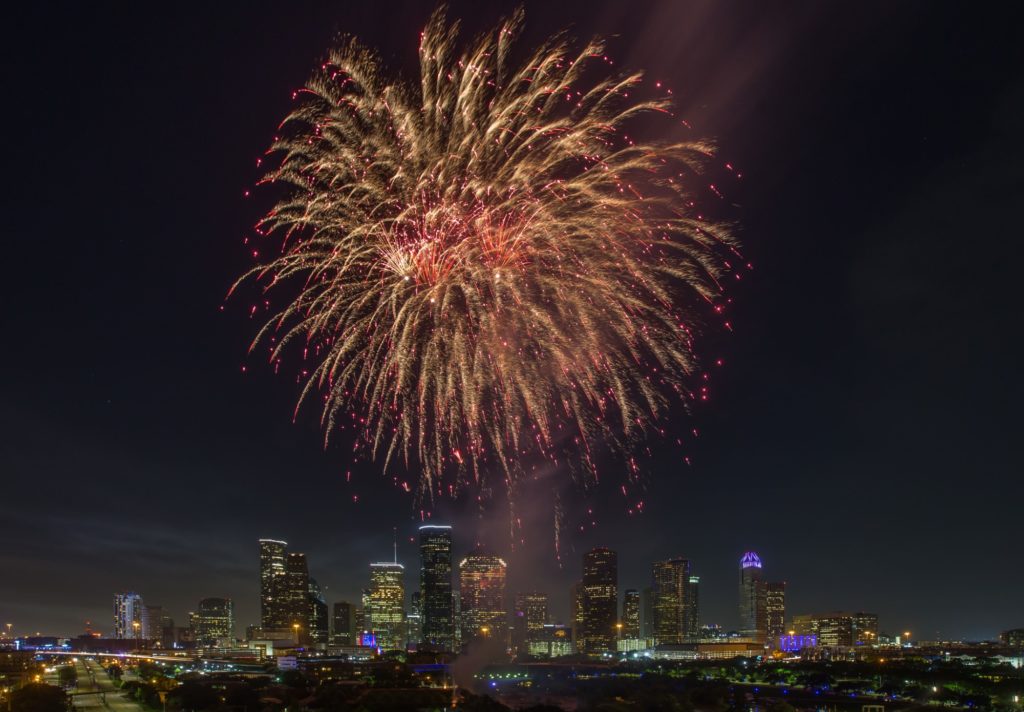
{"points": [[92, 678]]}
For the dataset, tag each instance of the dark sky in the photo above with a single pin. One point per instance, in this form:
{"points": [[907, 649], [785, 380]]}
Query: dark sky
{"points": [[863, 435]]}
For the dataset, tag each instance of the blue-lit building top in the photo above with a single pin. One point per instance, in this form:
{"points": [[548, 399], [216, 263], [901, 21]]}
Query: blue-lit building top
{"points": [[750, 560]]}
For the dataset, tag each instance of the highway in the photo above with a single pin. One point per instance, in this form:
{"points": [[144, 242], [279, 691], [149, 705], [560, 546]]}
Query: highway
{"points": [[96, 691]]}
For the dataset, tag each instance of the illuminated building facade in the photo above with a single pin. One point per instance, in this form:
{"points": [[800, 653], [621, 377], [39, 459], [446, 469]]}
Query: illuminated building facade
{"points": [[865, 629], [691, 608], [294, 596], [552, 641], [753, 604], [671, 583], [272, 575], [647, 611], [529, 616], [838, 629], [213, 623], [385, 605], [319, 625], [344, 624], [151, 628], [128, 615], [482, 595], [158, 626], [775, 611], [414, 622], [1013, 638], [438, 621], [600, 600], [576, 613], [795, 643], [631, 615]]}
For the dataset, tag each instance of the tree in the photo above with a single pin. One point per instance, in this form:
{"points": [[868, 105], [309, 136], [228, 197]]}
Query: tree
{"points": [[480, 703], [39, 697], [242, 696], [67, 675], [193, 696]]}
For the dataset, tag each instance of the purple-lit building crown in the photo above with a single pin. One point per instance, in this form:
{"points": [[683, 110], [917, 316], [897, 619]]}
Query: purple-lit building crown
{"points": [[750, 560]]}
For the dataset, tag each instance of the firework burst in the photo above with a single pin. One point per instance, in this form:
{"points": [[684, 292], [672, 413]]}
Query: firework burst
{"points": [[483, 266]]}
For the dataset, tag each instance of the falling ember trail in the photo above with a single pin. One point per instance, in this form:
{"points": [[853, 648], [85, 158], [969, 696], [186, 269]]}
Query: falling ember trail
{"points": [[480, 266]]}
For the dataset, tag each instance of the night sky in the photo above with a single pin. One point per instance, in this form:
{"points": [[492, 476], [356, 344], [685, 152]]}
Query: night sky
{"points": [[863, 435]]}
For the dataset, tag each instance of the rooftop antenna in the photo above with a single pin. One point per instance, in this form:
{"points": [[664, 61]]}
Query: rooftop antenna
{"points": [[394, 531]]}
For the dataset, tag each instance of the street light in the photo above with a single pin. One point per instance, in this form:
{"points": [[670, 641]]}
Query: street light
{"points": [[296, 627]]}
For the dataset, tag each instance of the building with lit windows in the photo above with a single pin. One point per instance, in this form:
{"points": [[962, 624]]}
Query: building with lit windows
{"points": [[753, 604], [671, 585], [1013, 638], [438, 622], [865, 629], [293, 595], [272, 574], [791, 643], [600, 599], [128, 616], [838, 629], [647, 611], [213, 623], [158, 626], [529, 616], [775, 611], [691, 609], [414, 622], [482, 596], [384, 605], [343, 623], [319, 624], [630, 615], [576, 614], [552, 641]]}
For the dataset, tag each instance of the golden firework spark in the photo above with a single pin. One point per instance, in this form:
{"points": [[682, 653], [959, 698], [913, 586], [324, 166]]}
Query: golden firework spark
{"points": [[484, 265]]}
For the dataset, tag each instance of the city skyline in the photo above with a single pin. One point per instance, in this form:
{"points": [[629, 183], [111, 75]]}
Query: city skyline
{"points": [[387, 598], [860, 433]]}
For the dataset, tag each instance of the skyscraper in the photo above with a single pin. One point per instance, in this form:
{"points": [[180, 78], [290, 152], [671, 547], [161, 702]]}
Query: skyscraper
{"points": [[344, 624], [385, 605], [691, 608], [436, 586], [576, 608], [294, 596], [128, 615], [482, 596], [213, 624], [753, 614], [529, 615], [158, 626], [671, 581], [647, 613], [865, 629], [272, 554], [600, 599], [775, 611], [414, 622], [319, 625], [631, 614]]}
